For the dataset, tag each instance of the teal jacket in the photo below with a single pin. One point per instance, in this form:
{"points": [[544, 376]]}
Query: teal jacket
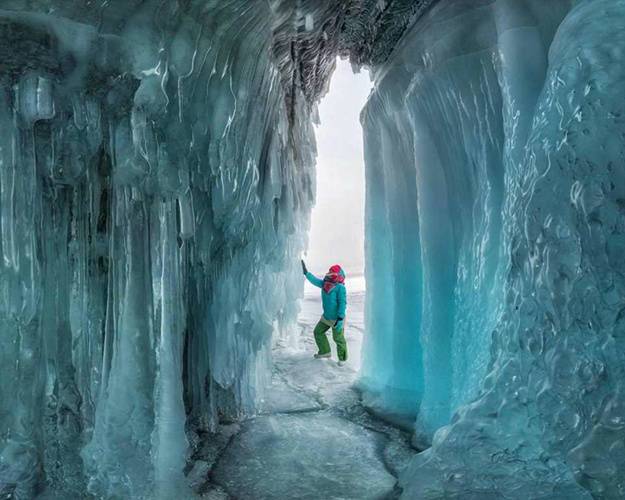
{"points": [[335, 302]]}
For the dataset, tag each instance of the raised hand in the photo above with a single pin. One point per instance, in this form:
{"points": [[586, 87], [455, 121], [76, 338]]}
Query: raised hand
{"points": [[304, 270]]}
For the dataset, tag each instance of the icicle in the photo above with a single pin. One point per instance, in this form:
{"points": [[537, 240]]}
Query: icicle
{"points": [[169, 440], [187, 219], [7, 181], [36, 100]]}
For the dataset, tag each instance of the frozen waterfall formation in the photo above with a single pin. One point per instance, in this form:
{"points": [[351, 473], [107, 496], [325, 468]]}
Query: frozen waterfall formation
{"points": [[156, 177]]}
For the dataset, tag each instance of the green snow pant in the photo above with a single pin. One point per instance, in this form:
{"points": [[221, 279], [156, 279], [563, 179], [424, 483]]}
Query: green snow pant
{"points": [[322, 340]]}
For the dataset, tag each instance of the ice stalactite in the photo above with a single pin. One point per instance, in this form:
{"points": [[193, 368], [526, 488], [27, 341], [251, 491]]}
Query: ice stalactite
{"points": [[507, 118]]}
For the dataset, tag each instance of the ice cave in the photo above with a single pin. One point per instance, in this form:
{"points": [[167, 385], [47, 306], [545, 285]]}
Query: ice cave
{"points": [[157, 175]]}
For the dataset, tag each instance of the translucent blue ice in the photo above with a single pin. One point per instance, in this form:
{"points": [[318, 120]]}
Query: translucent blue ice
{"points": [[154, 195], [494, 156]]}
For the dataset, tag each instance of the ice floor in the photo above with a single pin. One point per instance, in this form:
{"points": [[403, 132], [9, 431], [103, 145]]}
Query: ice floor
{"points": [[312, 439]]}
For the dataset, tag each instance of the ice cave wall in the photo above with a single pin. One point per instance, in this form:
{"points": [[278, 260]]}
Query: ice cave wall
{"points": [[494, 144], [155, 184]]}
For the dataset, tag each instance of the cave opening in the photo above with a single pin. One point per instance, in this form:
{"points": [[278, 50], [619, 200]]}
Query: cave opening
{"points": [[336, 233]]}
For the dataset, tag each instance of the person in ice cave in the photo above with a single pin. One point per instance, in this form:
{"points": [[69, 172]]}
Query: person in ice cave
{"points": [[334, 302]]}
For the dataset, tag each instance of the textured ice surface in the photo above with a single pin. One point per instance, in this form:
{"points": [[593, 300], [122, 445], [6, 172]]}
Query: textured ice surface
{"points": [[495, 153], [304, 456]]}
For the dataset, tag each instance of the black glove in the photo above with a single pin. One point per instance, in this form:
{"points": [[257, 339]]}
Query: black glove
{"points": [[304, 270]]}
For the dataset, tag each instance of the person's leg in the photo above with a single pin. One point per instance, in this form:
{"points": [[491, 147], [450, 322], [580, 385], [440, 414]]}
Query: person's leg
{"points": [[341, 343], [320, 338]]}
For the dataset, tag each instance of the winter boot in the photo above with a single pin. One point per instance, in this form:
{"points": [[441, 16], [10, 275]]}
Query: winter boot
{"points": [[322, 356]]}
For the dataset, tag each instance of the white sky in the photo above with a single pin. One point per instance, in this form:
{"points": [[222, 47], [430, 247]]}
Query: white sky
{"points": [[337, 226]]}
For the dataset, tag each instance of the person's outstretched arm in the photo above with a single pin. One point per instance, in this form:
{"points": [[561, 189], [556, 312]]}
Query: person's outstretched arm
{"points": [[314, 280], [311, 277]]}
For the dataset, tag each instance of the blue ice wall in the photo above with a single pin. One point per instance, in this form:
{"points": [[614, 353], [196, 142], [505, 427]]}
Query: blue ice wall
{"points": [[502, 122], [155, 185], [436, 130]]}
